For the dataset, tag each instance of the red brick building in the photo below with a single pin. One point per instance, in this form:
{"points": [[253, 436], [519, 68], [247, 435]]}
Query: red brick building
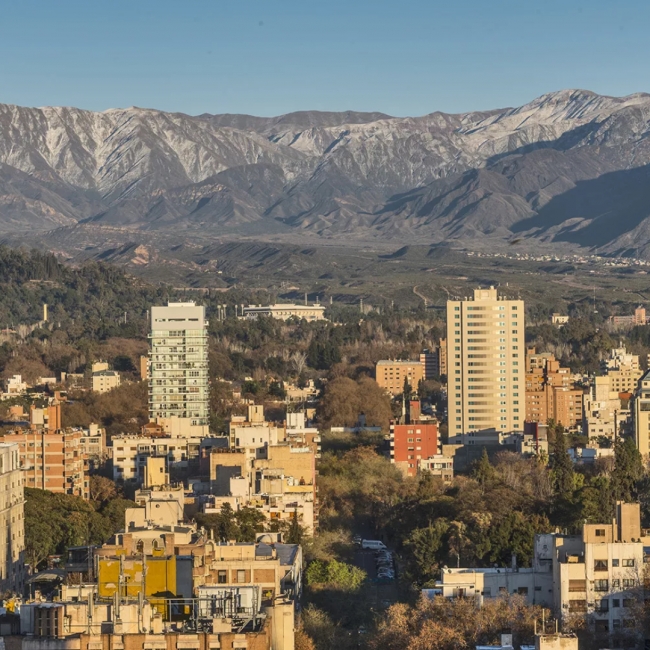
{"points": [[416, 440]]}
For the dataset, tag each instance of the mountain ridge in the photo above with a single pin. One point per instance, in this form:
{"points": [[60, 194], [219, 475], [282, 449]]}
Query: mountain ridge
{"points": [[527, 172]]}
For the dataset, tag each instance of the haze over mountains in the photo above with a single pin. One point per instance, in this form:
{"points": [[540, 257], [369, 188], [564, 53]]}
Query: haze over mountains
{"points": [[570, 168]]}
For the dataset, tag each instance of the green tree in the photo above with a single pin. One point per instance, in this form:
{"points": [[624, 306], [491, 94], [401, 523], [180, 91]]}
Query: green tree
{"points": [[338, 575], [627, 472], [563, 474], [483, 472], [425, 546]]}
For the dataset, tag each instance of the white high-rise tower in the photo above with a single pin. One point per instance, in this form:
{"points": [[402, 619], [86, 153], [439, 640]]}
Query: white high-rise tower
{"points": [[486, 365], [178, 379]]}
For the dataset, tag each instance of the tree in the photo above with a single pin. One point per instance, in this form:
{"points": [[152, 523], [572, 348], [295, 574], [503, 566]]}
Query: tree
{"points": [[563, 475], [483, 471], [339, 575], [628, 470], [441, 624], [101, 489], [425, 546], [345, 399]]}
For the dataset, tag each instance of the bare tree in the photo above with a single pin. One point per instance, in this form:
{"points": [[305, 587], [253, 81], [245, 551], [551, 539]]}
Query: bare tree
{"points": [[299, 360]]}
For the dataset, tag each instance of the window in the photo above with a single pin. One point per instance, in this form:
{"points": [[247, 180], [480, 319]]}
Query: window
{"points": [[600, 532], [577, 585], [628, 602], [628, 583], [241, 575], [601, 585], [221, 577], [600, 565], [616, 584], [616, 603], [615, 562], [628, 562]]}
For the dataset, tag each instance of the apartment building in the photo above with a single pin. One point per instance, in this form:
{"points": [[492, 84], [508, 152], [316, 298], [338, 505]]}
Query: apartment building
{"points": [[596, 576], [285, 311], [178, 366], [438, 466], [443, 357], [104, 381], [638, 318], [53, 461], [430, 365], [641, 409], [623, 370], [12, 522], [391, 375], [278, 480], [550, 392], [162, 583], [253, 431], [413, 440], [486, 365], [130, 454], [605, 414]]}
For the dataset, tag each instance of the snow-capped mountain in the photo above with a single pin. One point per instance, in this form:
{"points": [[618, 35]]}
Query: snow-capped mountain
{"points": [[570, 166]]}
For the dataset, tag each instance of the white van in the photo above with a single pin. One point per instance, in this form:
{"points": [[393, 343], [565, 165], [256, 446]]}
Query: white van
{"points": [[373, 545]]}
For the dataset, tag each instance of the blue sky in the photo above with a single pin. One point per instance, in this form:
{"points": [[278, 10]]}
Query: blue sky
{"points": [[403, 57]]}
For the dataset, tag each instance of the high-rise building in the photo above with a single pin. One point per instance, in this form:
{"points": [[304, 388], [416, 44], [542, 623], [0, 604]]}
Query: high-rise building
{"points": [[485, 364], [12, 523], [178, 368]]}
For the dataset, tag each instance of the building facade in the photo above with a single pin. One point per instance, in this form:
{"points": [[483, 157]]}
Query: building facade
{"points": [[178, 368], [53, 461], [12, 522], [486, 364], [642, 415], [413, 441], [391, 375], [286, 311], [105, 381]]}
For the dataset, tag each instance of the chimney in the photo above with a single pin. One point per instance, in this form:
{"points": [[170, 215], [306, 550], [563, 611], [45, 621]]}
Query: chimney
{"points": [[45, 312], [514, 564]]}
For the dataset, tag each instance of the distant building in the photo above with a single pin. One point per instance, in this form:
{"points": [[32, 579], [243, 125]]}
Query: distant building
{"points": [[285, 311], [559, 319], [105, 381], [639, 318], [15, 386], [391, 375]]}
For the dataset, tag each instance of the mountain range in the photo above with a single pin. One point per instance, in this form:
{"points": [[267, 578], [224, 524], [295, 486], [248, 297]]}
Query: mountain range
{"points": [[570, 169]]}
